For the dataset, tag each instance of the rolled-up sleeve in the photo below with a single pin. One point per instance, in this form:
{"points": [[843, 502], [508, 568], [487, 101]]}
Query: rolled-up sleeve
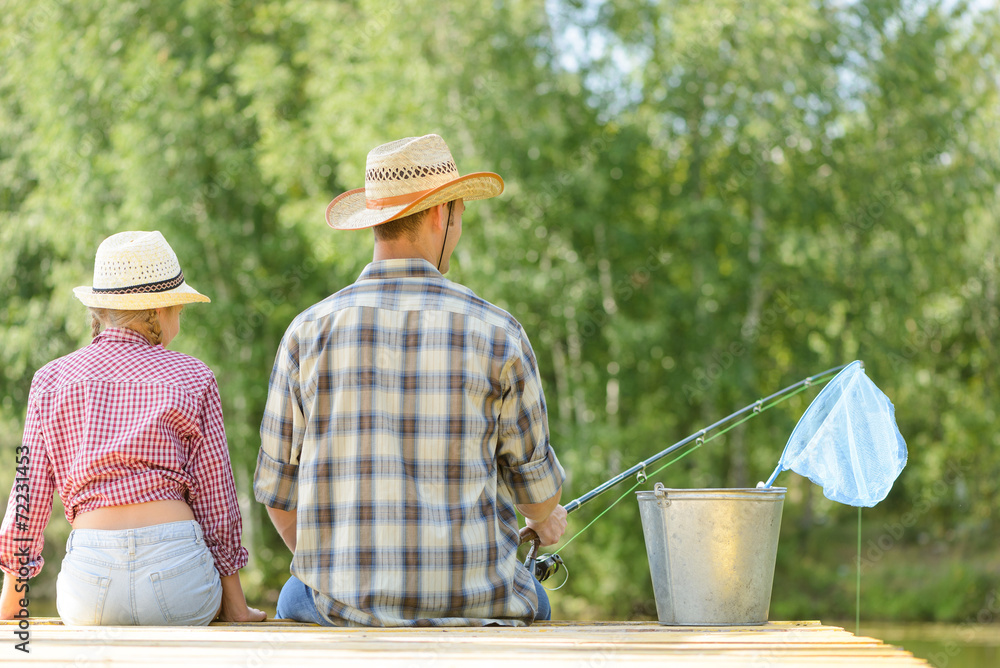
{"points": [[29, 506], [527, 464], [214, 501], [281, 432]]}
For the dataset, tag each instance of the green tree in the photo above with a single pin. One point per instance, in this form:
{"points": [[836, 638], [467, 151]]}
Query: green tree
{"points": [[704, 203]]}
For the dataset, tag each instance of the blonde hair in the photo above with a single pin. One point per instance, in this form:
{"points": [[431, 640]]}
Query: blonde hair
{"points": [[145, 322]]}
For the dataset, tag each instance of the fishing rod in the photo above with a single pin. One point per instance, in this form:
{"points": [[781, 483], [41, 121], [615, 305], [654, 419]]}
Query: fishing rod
{"points": [[545, 566]]}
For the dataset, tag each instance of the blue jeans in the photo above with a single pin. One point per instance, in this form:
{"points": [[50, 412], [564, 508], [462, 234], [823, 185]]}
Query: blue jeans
{"points": [[544, 613], [160, 575], [296, 602]]}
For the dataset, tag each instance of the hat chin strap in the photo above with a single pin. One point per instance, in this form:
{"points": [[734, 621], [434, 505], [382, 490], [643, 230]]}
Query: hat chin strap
{"points": [[451, 206]]}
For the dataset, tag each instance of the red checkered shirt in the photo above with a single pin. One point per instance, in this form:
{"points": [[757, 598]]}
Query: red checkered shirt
{"points": [[121, 422]]}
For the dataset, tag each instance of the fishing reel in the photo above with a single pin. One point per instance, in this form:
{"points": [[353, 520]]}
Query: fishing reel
{"points": [[542, 567], [546, 566]]}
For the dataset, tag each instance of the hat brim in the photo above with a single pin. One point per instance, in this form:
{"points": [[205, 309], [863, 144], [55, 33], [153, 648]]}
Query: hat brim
{"points": [[350, 210], [182, 294]]}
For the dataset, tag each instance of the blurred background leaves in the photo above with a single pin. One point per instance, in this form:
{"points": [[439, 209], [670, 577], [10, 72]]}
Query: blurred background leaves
{"points": [[706, 201]]}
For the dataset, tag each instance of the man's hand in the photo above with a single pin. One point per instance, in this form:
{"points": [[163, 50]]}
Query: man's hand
{"points": [[550, 529], [546, 518]]}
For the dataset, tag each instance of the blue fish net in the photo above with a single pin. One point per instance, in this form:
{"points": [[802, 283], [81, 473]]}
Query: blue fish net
{"points": [[847, 441]]}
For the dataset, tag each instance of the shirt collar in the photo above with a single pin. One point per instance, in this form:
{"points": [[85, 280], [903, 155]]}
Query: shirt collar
{"points": [[400, 268], [122, 334]]}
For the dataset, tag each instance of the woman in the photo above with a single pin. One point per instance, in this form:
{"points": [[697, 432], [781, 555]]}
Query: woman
{"points": [[131, 436]]}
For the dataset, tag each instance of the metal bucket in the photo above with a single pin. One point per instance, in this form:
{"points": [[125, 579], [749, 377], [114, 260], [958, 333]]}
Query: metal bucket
{"points": [[711, 553]]}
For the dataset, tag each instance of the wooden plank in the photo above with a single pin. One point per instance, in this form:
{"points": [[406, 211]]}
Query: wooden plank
{"points": [[325, 655], [537, 634], [557, 644]]}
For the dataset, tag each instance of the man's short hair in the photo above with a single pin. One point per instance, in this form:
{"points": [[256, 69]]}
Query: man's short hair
{"points": [[408, 226]]}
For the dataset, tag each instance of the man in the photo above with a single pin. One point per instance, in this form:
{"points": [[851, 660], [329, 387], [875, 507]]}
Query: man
{"points": [[405, 421]]}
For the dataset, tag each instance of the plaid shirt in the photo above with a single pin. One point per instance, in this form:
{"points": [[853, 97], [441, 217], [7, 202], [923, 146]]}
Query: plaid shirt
{"points": [[405, 418], [118, 422]]}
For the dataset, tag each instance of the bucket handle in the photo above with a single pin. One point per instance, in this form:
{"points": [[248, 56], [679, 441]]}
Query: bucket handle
{"points": [[661, 495]]}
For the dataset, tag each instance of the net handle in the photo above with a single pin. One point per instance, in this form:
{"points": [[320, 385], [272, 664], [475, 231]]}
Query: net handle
{"points": [[779, 468]]}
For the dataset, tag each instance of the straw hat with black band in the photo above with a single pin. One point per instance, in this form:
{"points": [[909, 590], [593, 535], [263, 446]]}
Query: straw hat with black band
{"points": [[405, 177], [134, 271]]}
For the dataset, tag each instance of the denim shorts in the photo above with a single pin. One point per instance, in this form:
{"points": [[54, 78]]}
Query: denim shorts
{"points": [[160, 575]]}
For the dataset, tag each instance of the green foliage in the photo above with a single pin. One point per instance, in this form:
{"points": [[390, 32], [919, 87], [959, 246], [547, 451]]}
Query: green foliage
{"points": [[920, 579], [705, 202]]}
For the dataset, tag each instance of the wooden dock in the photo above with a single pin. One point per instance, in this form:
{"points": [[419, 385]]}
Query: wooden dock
{"points": [[550, 644]]}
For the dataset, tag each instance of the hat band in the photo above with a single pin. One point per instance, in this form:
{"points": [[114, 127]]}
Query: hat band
{"points": [[384, 202], [158, 286]]}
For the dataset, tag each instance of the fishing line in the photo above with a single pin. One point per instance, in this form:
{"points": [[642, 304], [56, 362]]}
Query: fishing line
{"points": [[698, 443], [857, 601], [561, 584]]}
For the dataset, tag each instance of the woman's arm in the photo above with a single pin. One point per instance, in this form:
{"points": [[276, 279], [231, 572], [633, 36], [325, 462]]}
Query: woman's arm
{"points": [[216, 509], [234, 605], [10, 603], [214, 501], [29, 508]]}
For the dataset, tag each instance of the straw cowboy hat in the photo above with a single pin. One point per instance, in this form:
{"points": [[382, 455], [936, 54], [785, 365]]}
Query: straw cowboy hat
{"points": [[135, 271], [404, 177]]}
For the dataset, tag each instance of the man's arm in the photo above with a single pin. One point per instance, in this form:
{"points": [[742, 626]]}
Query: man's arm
{"points": [[525, 461], [546, 518], [284, 521], [276, 480]]}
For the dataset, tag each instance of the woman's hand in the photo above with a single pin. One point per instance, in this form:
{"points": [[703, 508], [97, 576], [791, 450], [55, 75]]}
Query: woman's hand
{"points": [[10, 604], [234, 604], [247, 614]]}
